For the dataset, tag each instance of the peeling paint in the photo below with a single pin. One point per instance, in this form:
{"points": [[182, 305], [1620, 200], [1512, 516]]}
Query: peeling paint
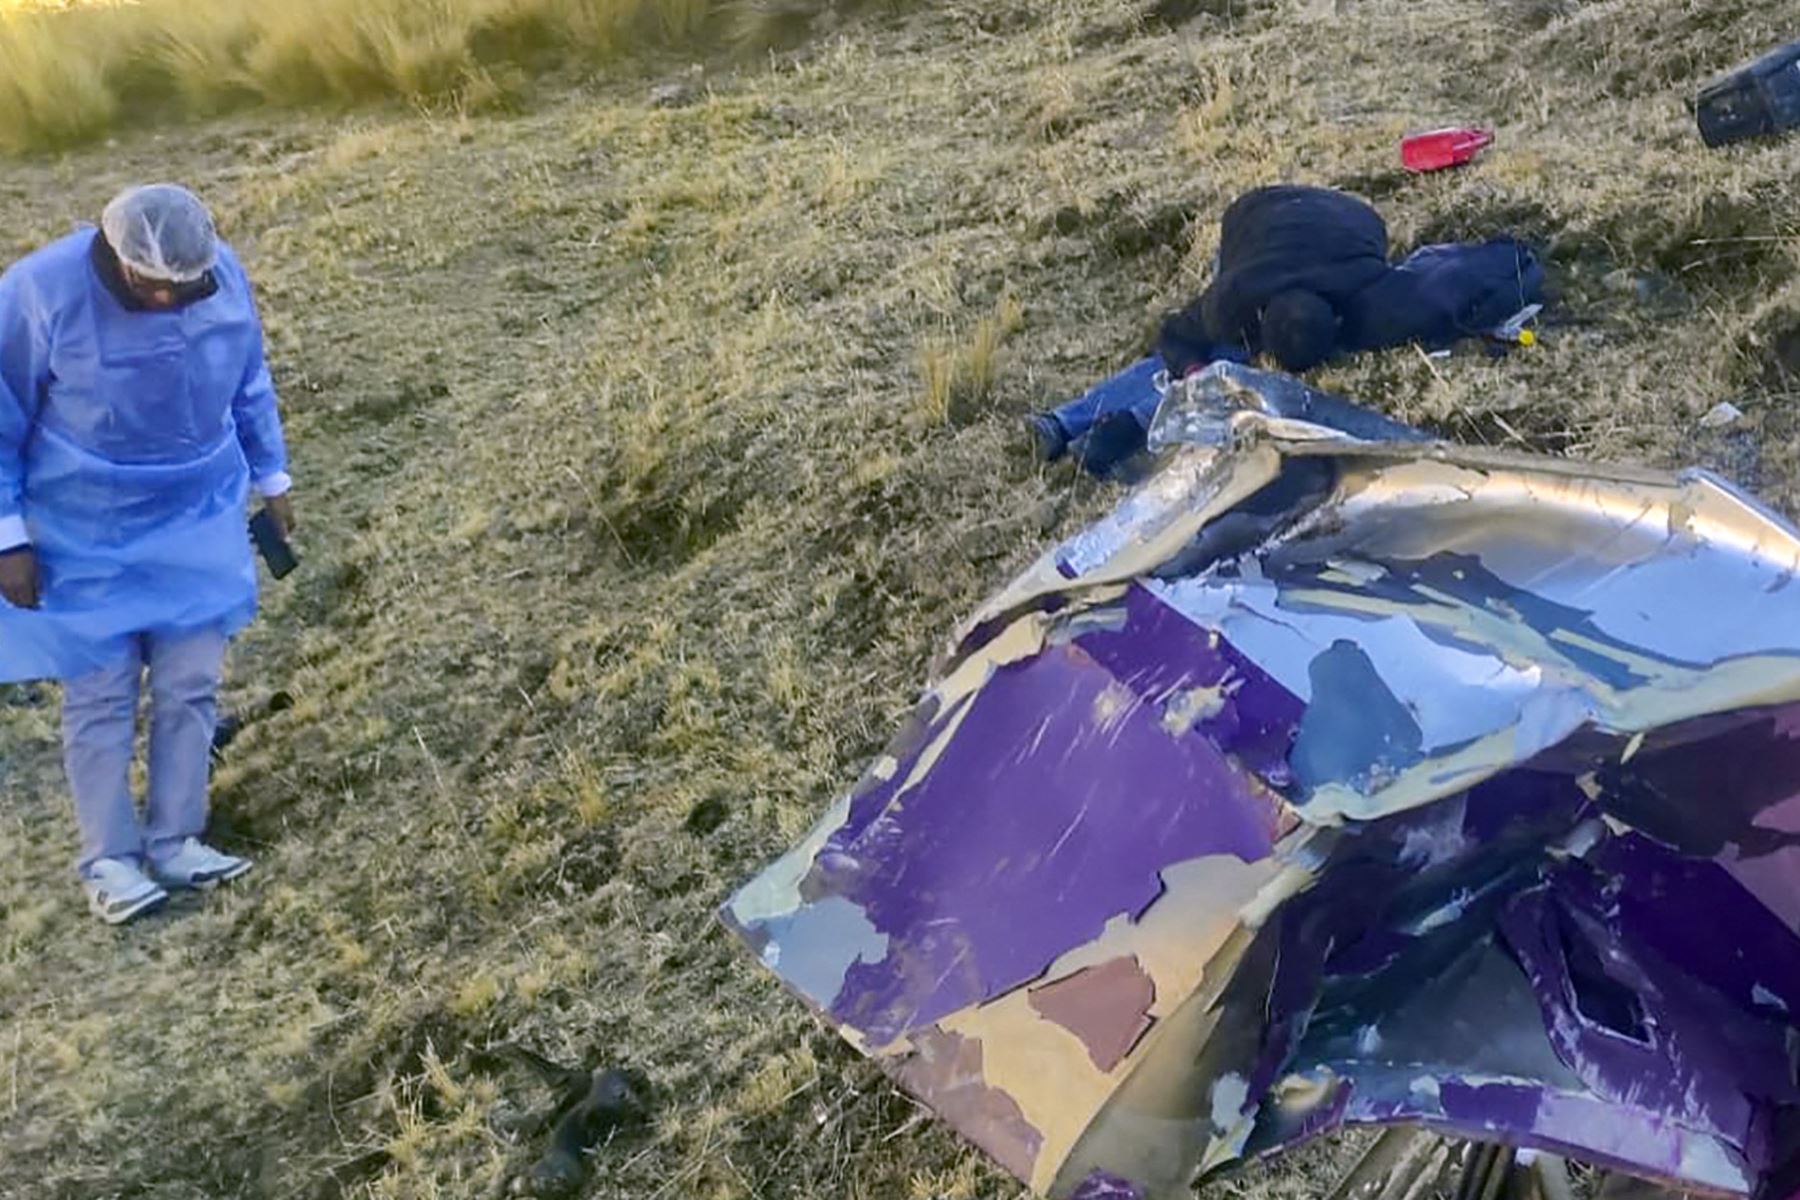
{"points": [[1188, 708], [816, 946], [776, 892], [1229, 1095], [1107, 1007], [1329, 782], [944, 1070]]}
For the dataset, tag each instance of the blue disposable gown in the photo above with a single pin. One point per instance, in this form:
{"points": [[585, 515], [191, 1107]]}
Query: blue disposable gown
{"points": [[127, 443]]}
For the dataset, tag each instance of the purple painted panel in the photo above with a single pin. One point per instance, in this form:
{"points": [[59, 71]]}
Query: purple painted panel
{"points": [[1640, 1032], [1748, 775], [1693, 912], [1103, 1185], [1160, 653], [1052, 810]]}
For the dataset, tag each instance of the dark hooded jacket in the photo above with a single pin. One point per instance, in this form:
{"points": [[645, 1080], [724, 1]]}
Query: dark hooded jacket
{"points": [[1285, 238], [1272, 240]]}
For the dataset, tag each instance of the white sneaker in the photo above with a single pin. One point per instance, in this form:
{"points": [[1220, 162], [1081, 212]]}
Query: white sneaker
{"points": [[198, 866], [117, 891]]}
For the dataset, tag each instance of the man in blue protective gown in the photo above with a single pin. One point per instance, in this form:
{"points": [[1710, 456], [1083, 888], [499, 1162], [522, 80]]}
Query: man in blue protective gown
{"points": [[136, 413]]}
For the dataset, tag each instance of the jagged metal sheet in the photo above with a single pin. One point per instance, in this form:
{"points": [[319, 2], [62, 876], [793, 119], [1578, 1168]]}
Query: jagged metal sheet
{"points": [[1329, 781]]}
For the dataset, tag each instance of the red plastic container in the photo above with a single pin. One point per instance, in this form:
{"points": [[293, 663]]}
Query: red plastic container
{"points": [[1443, 148]]}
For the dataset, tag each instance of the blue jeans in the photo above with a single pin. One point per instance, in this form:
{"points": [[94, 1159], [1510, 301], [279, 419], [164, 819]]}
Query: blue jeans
{"points": [[1132, 390]]}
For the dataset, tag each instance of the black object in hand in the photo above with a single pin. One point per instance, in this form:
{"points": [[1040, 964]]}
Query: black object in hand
{"points": [[272, 545]]}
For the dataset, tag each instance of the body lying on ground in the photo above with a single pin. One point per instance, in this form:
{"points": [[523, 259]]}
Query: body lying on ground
{"points": [[1302, 276]]}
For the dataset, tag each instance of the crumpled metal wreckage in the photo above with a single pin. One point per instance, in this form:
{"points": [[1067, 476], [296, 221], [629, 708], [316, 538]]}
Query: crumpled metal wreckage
{"points": [[1340, 778]]}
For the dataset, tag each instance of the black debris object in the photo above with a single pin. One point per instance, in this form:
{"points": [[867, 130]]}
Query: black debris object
{"points": [[591, 1106], [1756, 100], [229, 725], [225, 732]]}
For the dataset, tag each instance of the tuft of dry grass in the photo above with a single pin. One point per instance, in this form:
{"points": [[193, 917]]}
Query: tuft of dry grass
{"points": [[71, 71], [631, 528], [49, 95], [959, 374]]}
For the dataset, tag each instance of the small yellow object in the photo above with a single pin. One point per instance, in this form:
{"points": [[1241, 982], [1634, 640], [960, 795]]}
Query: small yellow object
{"points": [[1527, 338]]}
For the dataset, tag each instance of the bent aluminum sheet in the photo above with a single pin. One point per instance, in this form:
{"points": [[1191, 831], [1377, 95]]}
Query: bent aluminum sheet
{"points": [[1335, 782]]}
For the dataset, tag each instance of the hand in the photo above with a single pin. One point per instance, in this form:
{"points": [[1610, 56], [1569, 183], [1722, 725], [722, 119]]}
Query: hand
{"points": [[282, 509], [19, 577]]}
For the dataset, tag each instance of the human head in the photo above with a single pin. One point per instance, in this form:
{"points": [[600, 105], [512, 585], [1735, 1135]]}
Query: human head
{"points": [[1299, 328], [164, 239]]}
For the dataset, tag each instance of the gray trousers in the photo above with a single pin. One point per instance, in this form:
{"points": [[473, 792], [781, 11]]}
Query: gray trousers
{"points": [[100, 733]]}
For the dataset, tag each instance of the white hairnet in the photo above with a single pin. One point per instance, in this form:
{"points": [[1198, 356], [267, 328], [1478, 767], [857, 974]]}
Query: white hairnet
{"points": [[162, 232]]}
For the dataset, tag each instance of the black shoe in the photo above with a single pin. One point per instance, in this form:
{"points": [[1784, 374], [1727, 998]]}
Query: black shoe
{"points": [[224, 733], [1111, 444], [1048, 440]]}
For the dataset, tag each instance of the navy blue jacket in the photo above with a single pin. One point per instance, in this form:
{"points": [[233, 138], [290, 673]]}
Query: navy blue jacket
{"points": [[1277, 239]]}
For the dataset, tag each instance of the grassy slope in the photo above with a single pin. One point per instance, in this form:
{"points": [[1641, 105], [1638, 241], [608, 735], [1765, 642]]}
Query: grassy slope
{"points": [[632, 524]]}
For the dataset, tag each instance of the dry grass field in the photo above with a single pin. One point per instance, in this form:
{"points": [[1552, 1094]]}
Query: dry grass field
{"points": [[72, 70], [655, 416]]}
